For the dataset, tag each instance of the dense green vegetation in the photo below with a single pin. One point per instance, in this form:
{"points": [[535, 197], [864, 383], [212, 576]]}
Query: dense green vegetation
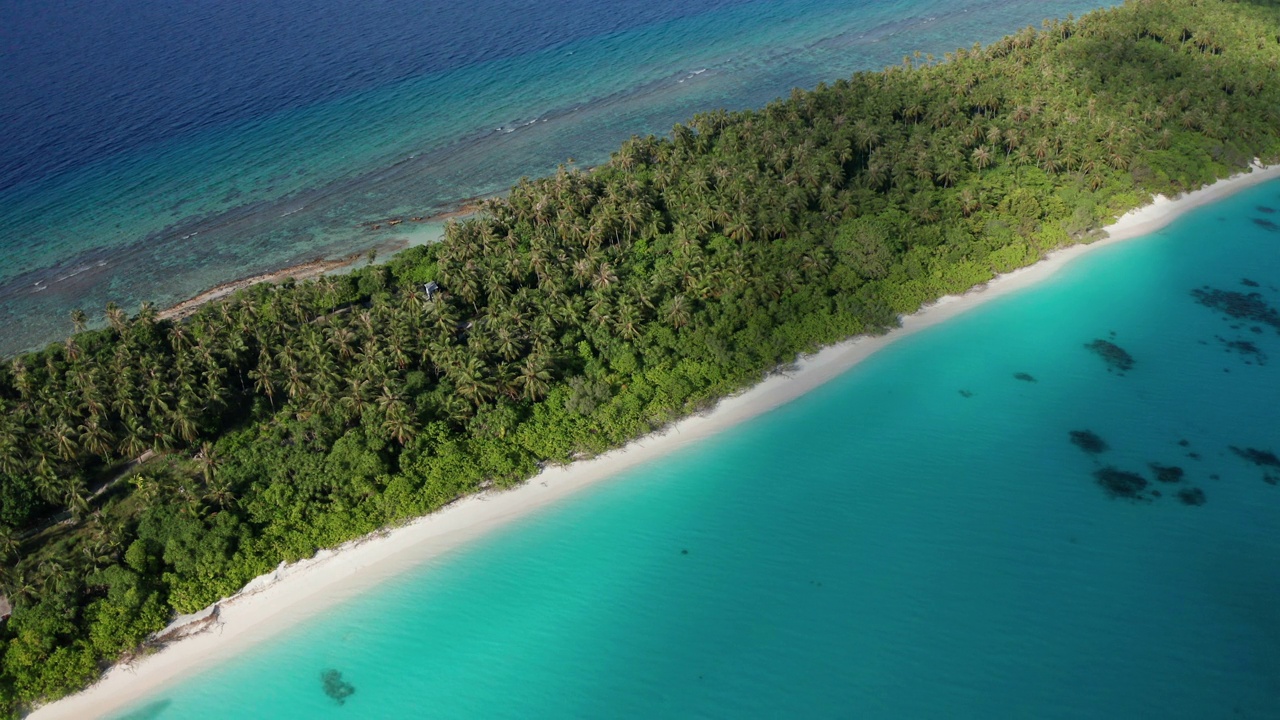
{"points": [[585, 309]]}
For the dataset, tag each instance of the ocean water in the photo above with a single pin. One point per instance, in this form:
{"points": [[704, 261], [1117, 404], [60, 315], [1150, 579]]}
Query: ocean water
{"points": [[917, 539], [155, 149]]}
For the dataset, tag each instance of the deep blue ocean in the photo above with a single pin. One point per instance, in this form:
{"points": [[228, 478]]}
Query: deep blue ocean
{"points": [[920, 538], [152, 149]]}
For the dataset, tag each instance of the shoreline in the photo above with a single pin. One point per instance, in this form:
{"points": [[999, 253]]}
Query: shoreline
{"points": [[320, 267], [291, 594], [302, 271]]}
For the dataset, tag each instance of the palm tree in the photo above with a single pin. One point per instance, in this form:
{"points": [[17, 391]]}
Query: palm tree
{"points": [[134, 442], [604, 276], [116, 317], [20, 585], [182, 421], [219, 492], [10, 545], [397, 420], [96, 439], [295, 384], [263, 380], [22, 380], [207, 461], [162, 440], [534, 379], [12, 458], [146, 313], [78, 320], [507, 344], [676, 311], [343, 340], [64, 441], [982, 157], [948, 172], [99, 552], [472, 383], [628, 321], [866, 135], [53, 577], [739, 228], [76, 501], [357, 396], [398, 427]]}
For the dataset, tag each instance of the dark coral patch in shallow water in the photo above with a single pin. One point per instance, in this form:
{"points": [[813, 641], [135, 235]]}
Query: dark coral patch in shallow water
{"points": [[1248, 283], [1121, 483], [1238, 305], [1245, 348], [1167, 473], [1261, 458], [1114, 355], [1024, 377], [1088, 441], [1264, 459], [1191, 496], [335, 687]]}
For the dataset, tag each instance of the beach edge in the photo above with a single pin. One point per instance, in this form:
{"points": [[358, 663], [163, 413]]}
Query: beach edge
{"points": [[271, 604]]}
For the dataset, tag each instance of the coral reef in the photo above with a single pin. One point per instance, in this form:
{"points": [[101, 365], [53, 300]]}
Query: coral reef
{"points": [[1088, 441], [1115, 356], [1238, 305], [335, 687], [1167, 473], [1121, 483], [1191, 496]]}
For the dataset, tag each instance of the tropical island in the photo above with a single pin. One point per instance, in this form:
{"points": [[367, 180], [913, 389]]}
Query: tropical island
{"points": [[582, 311]]}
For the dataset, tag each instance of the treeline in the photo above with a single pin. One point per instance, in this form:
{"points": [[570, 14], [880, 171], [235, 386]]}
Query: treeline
{"points": [[583, 310]]}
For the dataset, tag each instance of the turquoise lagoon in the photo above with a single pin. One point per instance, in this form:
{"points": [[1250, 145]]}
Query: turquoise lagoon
{"points": [[887, 546]]}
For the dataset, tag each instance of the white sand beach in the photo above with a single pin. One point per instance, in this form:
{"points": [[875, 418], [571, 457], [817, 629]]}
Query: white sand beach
{"points": [[294, 593]]}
